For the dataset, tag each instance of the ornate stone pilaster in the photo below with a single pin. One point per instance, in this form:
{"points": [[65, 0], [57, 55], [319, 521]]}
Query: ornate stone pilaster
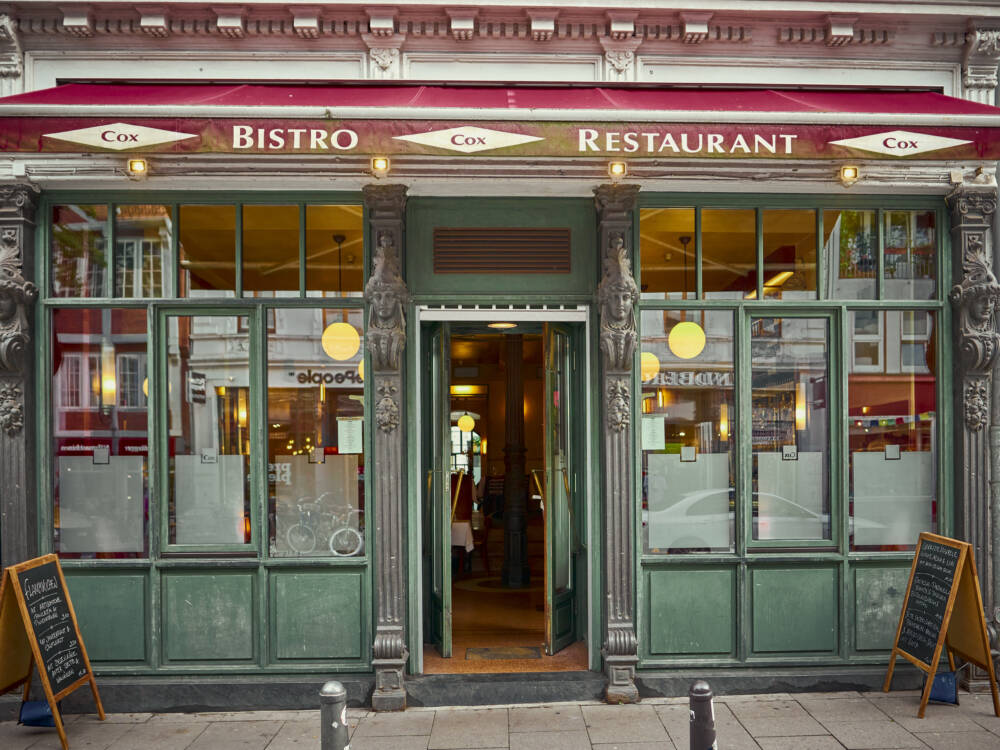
{"points": [[976, 298], [617, 294], [17, 393], [979, 67], [385, 339]]}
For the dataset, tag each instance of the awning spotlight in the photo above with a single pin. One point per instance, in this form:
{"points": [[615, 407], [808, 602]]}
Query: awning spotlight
{"points": [[617, 170], [849, 174], [380, 165], [137, 168]]}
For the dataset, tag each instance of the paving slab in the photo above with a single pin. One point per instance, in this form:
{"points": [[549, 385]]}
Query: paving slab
{"points": [[14, 737], [754, 698], [728, 730], [845, 709], [779, 709], [622, 724], [872, 735], [84, 735], [396, 724], [409, 742], [158, 737], [546, 719], [800, 743], [572, 740], [454, 729], [666, 745], [237, 735], [297, 735], [981, 740]]}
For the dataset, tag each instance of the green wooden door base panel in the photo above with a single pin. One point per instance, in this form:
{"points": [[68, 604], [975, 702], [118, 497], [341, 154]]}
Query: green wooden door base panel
{"points": [[794, 609], [317, 615], [111, 610], [209, 616]]}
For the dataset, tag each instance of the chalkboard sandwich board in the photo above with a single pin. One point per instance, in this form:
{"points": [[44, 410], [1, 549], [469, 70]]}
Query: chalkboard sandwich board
{"points": [[942, 609], [38, 629]]}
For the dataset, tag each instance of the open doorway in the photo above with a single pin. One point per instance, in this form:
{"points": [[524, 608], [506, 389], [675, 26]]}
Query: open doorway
{"points": [[501, 516]]}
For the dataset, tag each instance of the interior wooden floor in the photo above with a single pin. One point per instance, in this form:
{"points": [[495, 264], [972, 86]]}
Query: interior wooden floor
{"points": [[486, 615]]}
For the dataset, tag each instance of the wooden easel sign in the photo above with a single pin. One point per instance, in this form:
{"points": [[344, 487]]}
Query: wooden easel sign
{"points": [[38, 628], [943, 608]]}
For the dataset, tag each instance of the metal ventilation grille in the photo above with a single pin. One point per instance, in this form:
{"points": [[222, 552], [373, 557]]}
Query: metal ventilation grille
{"points": [[501, 250]]}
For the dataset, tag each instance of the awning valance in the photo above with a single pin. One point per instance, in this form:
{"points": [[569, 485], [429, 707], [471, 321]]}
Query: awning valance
{"points": [[516, 121]]}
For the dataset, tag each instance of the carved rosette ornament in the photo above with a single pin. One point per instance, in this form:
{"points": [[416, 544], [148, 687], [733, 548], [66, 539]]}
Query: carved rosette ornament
{"points": [[619, 405], [977, 403], [11, 409], [387, 408]]}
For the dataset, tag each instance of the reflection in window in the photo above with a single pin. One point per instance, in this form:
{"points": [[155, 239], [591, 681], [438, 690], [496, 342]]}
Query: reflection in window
{"points": [[79, 251], [207, 251], [790, 424], [208, 380], [143, 261], [789, 254], [850, 247], [668, 266], [729, 253], [316, 458], [910, 255], [99, 432], [334, 251], [892, 420], [270, 249], [687, 431]]}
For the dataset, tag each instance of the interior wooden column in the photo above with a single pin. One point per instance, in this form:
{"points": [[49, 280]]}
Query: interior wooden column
{"points": [[516, 572]]}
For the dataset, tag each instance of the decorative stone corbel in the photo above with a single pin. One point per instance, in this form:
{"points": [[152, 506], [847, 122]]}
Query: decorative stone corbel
{"points": [[305, 21], [979, 67], [619, 57], [153, 21], [78, 21], [839, 30], [381, 21], [384, 55], [543, 24], [11, 57], [385, 339], [617, 294], [231, 21], [463, 23], [695, 27]]}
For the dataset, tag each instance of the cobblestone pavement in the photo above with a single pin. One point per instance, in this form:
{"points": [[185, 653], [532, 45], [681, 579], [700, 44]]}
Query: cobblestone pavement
{"points": [[802, 721]]}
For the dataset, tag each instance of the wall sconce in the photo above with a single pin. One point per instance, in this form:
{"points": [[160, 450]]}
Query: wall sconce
{"points": [[800, 406], [849, 174], [137, 169], [380, 165], [617, 170]]}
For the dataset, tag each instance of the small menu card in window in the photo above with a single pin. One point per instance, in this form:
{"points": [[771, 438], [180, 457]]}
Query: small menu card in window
{"points": [[349, 435]]}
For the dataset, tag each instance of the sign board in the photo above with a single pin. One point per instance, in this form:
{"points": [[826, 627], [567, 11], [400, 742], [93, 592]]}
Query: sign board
{"points": [[943, 608], [38, 628]]}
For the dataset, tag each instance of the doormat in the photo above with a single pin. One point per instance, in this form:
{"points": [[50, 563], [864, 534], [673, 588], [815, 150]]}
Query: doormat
{"points": [[504, 652]]}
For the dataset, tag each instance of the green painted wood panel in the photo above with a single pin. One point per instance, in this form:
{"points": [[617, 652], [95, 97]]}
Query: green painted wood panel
{"points": [[878, 600], [794, 609], [317, 615], [208, 617], [691, 611], [111, 611], [424, 214]]}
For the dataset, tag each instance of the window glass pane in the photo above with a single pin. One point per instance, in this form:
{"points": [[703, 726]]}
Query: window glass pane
{"points": [[892, 420], [271, 249], [79, 247], [207, 251], [335, 251], [143, 255], [728, 253], [99, 432], [910, 255], [667, 253], [315, 419], [789, 254], [790, 421], [688, 419], [209, 430], [850, 252]]}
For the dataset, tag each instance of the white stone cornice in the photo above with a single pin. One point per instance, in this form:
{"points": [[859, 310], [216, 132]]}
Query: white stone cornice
{"points": [[11, 59], [543, 24], [695, 27], [382, 21], [78, 20], [305, 21], [621, 25], [231, 21], [463, 22], [153, 20]]}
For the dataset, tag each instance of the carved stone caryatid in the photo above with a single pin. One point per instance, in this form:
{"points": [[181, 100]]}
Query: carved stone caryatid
{"points": [[385, 338], [617, 294], [979, 69], [17, 296]]}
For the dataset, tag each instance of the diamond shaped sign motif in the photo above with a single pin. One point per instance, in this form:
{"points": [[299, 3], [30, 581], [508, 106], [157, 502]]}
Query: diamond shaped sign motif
{"points": [[899, 143], [469, 139], [120, 136]]}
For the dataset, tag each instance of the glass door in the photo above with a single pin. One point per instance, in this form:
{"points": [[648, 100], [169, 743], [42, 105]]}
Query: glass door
{"points": [[438, 487], [560, 628]]}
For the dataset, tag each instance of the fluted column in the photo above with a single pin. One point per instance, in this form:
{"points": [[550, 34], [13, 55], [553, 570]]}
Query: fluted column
{"points": [[616, 295], [516, 573], [385, 338], [18, 407]]}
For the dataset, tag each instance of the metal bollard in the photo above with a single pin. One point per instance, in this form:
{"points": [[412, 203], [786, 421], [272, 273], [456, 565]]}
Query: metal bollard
{"points": [[334, 733], [702, 717]]}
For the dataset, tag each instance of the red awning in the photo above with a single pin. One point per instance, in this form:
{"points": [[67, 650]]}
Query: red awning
{"points": [[526, 120]]}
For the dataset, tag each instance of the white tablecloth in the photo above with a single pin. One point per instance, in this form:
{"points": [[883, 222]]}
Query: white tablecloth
{"points": [[461, 535]]}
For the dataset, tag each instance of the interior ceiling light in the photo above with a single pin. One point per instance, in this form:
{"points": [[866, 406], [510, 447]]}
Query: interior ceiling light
{"points": [[617, 170], [649, 366], [341, 341], [466, 423], [686, 340], [502, 325], [849, 174]]}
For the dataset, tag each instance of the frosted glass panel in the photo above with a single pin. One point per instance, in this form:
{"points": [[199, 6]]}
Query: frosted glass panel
{"points": [[892, 498], [100, 508], [316, 506], [788, 503], [689, 502], [209, 499]]}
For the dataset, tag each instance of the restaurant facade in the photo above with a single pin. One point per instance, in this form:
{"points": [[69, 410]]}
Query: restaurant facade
{"points": [[695, 307]]}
